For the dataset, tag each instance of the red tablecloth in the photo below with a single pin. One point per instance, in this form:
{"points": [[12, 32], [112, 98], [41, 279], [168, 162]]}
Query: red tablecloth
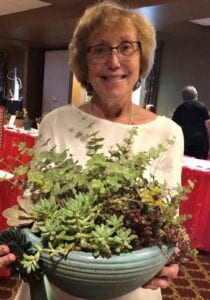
{"points": [[9, 151], [198, 205], [8, 160]]}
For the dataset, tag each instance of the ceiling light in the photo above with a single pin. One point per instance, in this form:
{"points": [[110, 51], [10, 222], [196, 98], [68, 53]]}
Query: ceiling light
{"points": [[202, 22], [14, 6]]}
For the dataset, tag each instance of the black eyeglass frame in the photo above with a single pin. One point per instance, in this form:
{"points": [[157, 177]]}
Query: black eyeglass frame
{"points": [[114, 48]]}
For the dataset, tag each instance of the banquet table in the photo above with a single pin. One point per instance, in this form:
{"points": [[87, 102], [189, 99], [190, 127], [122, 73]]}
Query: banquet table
{"points": [[11, 157], [198, 202]]}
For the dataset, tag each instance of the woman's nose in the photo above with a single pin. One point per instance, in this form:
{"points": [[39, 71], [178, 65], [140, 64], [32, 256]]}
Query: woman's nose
{"points": [[113, 59]]}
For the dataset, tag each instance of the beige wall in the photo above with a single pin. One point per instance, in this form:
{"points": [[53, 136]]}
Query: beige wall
{"points": [[183, 64], [56, 80]]}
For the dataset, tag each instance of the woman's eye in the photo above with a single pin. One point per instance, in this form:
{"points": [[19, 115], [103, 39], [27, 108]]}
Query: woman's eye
{"points": [[99, 50], [125, 47]]}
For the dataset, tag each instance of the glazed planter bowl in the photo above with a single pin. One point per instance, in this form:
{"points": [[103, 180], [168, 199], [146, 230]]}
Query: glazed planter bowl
{"points": [[87, 277], [80, 274]]}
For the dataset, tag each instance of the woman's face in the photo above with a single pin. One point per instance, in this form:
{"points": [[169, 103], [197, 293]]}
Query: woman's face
{"points": [[115, 77]]}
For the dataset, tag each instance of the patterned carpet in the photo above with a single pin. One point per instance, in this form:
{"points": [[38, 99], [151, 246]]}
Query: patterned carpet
{"points": [[193, 282], [8, 288]]}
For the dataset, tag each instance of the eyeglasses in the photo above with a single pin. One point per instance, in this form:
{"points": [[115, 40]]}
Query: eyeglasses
{"points": [[98, 54]]}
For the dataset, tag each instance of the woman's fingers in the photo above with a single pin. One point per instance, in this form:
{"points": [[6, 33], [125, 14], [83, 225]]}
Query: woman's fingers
{"points": [[163, 278], [6, 258], [4, 250], [169, 271]]}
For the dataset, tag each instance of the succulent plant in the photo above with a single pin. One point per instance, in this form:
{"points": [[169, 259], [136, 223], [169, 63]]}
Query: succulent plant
{"points": [[106, 207], [20, 214]]}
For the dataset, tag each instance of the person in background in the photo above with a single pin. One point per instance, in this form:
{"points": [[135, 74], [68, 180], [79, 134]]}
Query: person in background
{"points": [[112, 49], [191, 116]]}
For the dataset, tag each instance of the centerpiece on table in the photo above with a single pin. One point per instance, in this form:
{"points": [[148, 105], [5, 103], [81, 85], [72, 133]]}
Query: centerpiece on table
{"points": [[23, 120], [98, 231]]}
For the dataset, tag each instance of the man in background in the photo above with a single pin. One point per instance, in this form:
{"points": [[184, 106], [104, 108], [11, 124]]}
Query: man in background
{"points": [[191, 116]]}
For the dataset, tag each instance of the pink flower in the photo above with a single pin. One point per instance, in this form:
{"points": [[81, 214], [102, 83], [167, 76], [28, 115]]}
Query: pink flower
{"points": [[54, 99]]}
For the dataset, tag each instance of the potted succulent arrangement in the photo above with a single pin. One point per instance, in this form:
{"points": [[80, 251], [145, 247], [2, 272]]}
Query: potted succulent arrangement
{"points": [[23, 120], [19, 118], [97, 231]]}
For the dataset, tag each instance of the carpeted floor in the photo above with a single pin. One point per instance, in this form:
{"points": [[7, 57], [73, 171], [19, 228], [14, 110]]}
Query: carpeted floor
{"points": [[193, 282], [8, 288]]}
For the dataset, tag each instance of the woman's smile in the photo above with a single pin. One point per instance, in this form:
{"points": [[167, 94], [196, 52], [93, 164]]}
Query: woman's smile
{"points": [[113, 77]]}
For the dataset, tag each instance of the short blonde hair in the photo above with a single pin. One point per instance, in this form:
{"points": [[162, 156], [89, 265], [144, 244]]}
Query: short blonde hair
{"points": [[106, 14]]}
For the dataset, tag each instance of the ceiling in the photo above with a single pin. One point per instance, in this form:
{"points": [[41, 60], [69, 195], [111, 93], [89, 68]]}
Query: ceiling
{"points": [[51, 25]]}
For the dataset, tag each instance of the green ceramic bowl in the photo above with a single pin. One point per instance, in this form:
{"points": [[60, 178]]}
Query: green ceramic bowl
{"points": [[84, 276]]}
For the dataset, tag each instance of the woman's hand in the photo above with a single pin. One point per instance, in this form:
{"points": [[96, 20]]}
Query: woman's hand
{"points": [[166, 274], [6, 258], [163, 278]]}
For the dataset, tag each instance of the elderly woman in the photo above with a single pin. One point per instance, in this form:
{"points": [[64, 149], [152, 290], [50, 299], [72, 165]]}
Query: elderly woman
{"points": [[111, 50]]}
